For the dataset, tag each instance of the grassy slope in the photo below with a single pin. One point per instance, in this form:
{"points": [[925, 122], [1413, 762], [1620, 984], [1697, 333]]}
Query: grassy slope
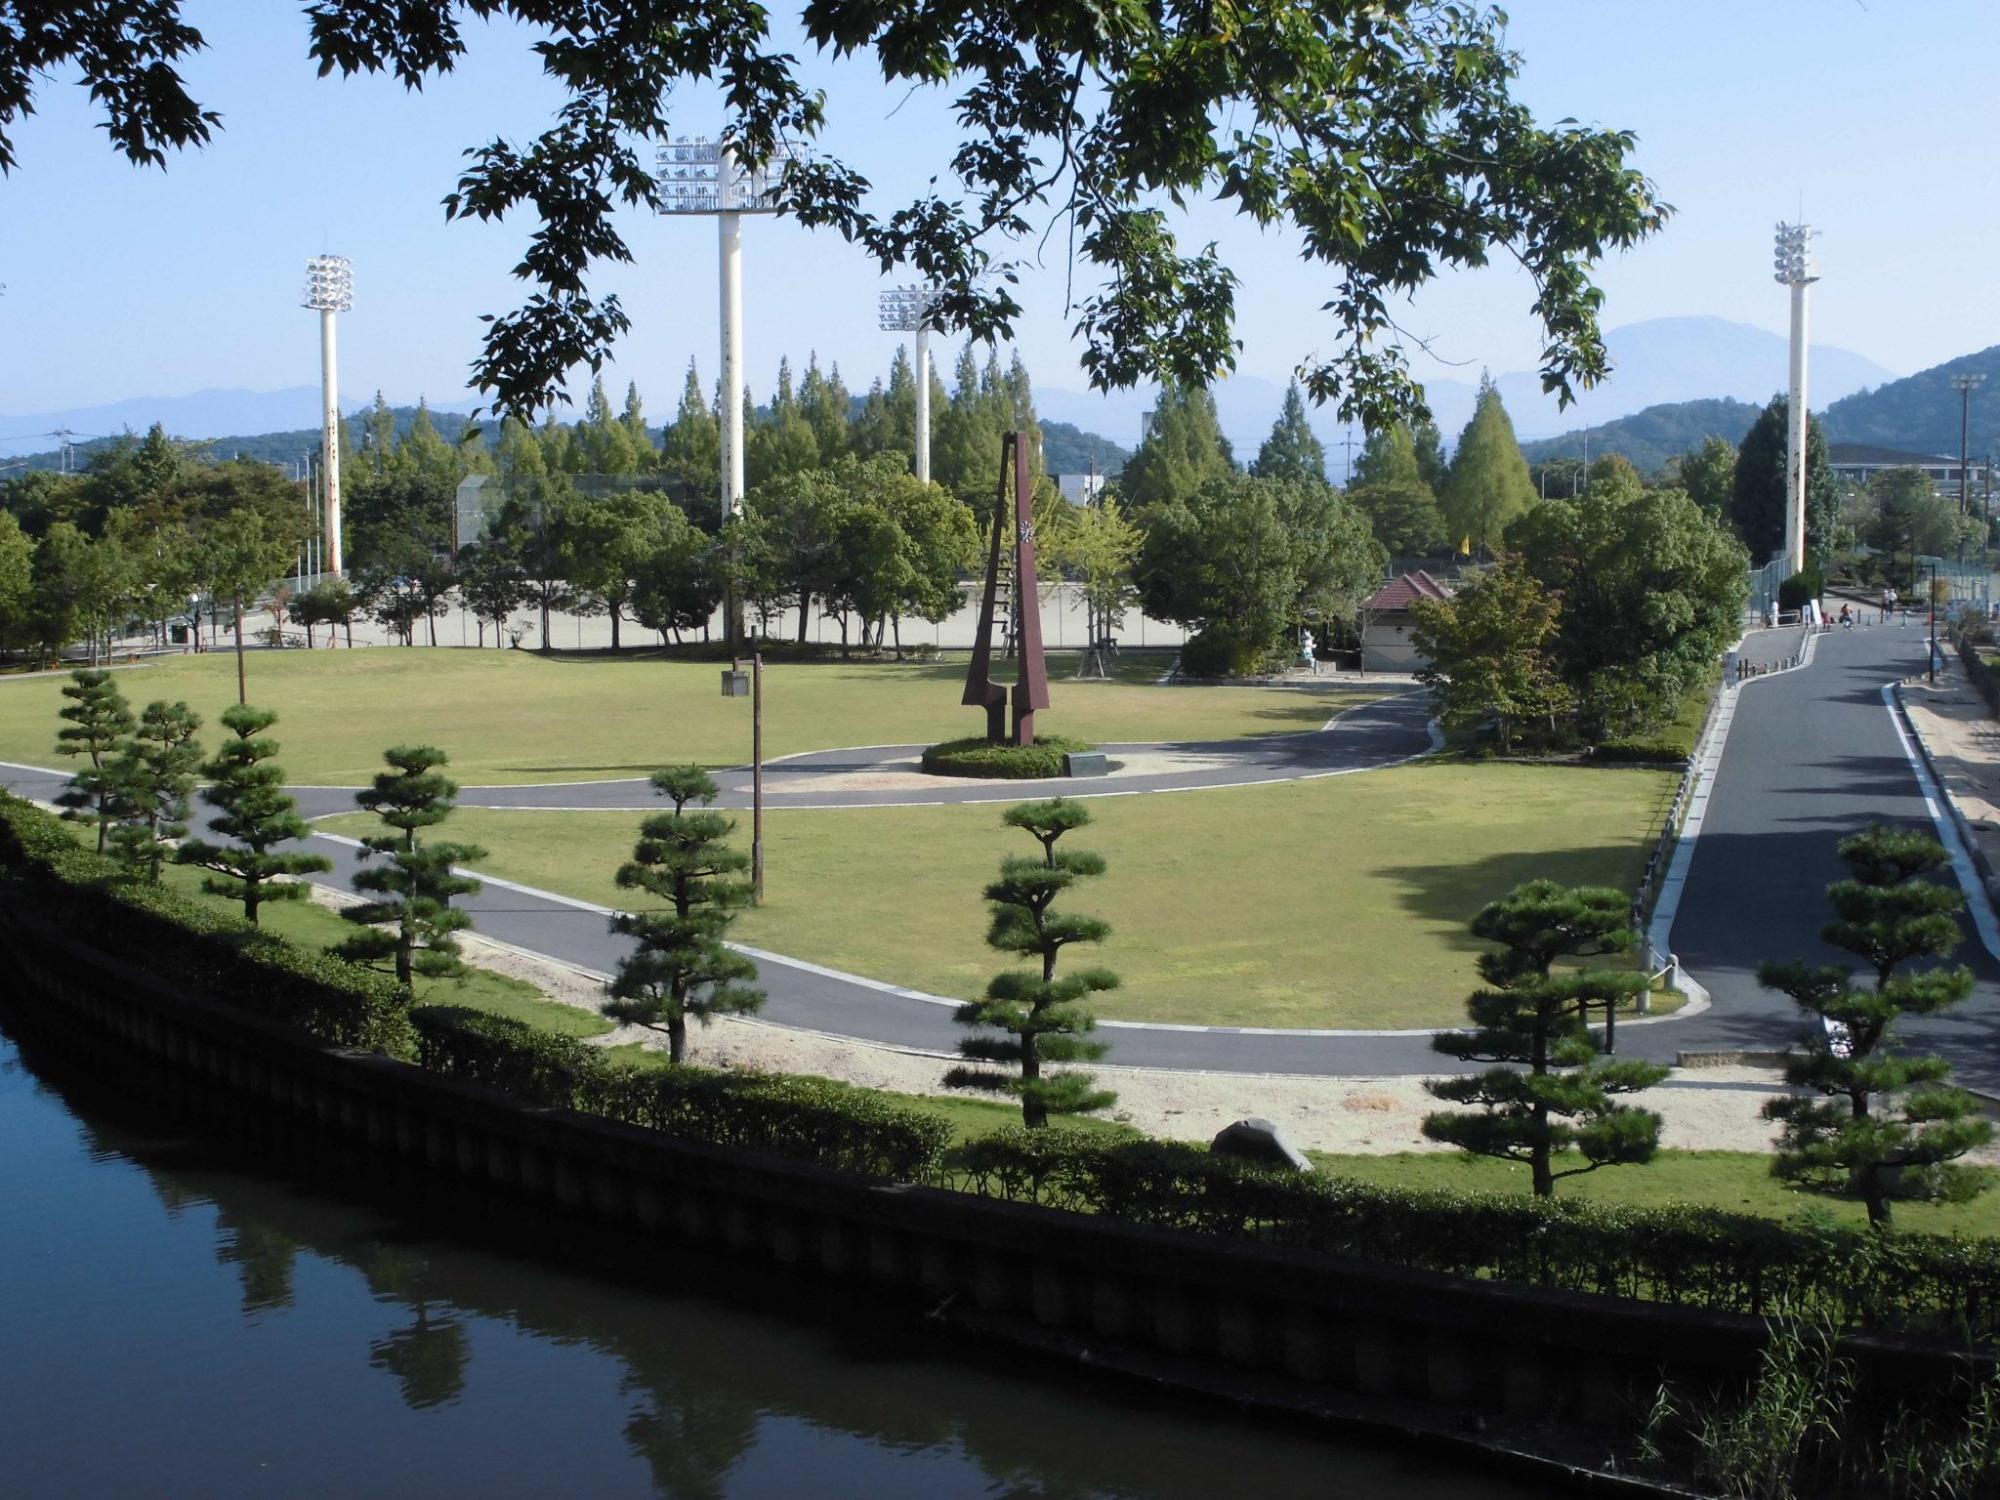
{"points": [[1340, 902], [511, 716], [1732, 1180]]}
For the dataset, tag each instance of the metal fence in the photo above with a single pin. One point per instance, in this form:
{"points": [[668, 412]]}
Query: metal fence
{"points": [[1764, 583]]}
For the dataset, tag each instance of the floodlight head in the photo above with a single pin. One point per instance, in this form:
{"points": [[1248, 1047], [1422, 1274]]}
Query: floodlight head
{"points": [[1791, 260], [701, 175], [329, 284], [905, 309]]}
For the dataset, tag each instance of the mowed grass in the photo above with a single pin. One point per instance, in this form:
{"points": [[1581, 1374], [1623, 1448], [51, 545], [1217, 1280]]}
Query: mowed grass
{"points": [[506, 717], [1734, 1181], [1341, 902]]}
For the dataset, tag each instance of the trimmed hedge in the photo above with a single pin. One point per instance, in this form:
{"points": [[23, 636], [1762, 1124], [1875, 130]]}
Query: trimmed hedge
{"points": [[803, 1119], [981, 758], [219, 956], [1697, 1256]]}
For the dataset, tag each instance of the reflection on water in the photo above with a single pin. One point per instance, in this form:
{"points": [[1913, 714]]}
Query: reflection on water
{"points": [[172, 1326]]}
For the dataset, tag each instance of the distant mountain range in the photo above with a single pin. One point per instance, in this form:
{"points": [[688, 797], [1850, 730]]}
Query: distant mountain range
{"points": [[1650, 437]]}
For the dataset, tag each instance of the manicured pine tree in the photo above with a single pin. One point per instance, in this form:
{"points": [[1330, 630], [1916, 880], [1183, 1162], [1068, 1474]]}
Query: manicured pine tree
{"points": [[98, 720], [681, 967], [1041, 1018], [412, 928], [247, 788], [155, 773], [1550, 1094], [1879, 1123]]}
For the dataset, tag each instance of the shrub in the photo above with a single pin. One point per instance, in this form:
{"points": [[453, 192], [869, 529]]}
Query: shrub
{"points": [[1217, 652], [213, 953], [1801, 589], [1701, 1257], [979, 757], [802, 1119]]}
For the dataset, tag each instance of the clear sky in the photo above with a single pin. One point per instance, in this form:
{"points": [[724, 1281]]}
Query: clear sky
{"points": [[123, 282]]}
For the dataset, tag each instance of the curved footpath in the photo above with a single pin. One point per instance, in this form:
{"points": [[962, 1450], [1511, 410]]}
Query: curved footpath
{"points": [[1811, 756]]}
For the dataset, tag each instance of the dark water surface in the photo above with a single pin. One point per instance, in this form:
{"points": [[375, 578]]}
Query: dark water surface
{"points": [[173, 1325]]}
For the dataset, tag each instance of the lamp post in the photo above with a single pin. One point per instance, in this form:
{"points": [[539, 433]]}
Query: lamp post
{"points": [[330, 290], [1965, 385], [907, 309], [1792, 267], [698, 176], [1931, 645]]}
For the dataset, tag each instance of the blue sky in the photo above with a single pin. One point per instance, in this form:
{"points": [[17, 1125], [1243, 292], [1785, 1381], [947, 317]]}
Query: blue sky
{"points": [[122, 282]]}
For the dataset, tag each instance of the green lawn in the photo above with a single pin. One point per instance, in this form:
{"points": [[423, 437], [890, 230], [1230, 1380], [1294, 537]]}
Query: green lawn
{"points": [[1738, 1181], [1339, 902], [511, 716], [313, 926]]}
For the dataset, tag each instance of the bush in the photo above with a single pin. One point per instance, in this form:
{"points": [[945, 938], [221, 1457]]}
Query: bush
{"points": [[213, 953], [1801, 589], [802, 1119], [980, 757], [1700, 1257], [1217, 652]]}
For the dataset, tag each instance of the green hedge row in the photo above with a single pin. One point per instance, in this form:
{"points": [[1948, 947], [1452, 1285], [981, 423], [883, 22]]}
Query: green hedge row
{"points": [[804, 1119], [219, 956], [1694, 1256], [981, 758]]}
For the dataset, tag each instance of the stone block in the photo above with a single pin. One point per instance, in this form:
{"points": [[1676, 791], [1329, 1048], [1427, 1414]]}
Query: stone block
{"points": [[1086, 763], [1259, 1141]]}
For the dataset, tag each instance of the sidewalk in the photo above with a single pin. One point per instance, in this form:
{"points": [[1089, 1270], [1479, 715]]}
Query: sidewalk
{"points": [[1961, 740]]}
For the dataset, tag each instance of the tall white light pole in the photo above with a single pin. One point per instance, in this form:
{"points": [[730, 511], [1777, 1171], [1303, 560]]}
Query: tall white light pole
{"points": [[907, 309], [1792, 267], [698, 175], [330, 290]]}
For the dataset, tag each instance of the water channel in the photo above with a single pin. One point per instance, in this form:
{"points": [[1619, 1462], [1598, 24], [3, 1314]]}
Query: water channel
{"points": [[174, 1323]]}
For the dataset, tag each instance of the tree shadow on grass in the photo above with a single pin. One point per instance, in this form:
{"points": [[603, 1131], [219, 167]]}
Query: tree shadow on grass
{"points": [[1451, 894]]}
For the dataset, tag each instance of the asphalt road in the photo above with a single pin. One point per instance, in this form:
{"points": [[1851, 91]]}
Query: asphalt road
{"points": [[1812, 756]]}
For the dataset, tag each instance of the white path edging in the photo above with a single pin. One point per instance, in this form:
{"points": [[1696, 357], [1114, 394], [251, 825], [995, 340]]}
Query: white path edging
{"points": [[1946, 818]]}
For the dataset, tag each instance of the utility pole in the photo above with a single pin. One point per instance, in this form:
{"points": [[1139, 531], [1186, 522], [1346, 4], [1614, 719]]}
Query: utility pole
{"points": [[1965, 385], [698, 176], [329, 291], [1792, 267]]}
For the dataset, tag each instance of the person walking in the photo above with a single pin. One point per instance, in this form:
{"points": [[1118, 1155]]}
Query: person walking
{"points": [[1888, 604]]}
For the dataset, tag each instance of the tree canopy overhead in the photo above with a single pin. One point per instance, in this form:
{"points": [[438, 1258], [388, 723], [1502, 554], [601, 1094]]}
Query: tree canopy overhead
{"points": [[1385, 136]]}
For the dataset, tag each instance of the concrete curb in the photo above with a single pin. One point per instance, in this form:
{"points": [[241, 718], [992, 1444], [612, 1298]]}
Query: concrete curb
{"points": [[1988, 881]]}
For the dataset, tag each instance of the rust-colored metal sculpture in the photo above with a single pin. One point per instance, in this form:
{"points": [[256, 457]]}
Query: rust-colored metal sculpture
{"points": [[1013, 540]]}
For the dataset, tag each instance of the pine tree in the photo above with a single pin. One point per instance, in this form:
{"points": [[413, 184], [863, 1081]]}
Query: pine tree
{"points": [[1757, 501], [1885, 1124], [1293, 450], [518, 455], [1390, 489], [695, 439], [155, 772], [378, 438], [1489, 484], [99, 718], [413, 926], [1389, 456], [1532, 1019], [824, 402], [681, 966], [633, 420], [1184, 449], [247, 788], [1040, 1018]]}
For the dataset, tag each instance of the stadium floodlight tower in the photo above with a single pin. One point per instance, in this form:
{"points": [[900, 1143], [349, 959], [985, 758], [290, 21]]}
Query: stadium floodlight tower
{"points": [[907, 309], [1792, 266], [330, 290]]}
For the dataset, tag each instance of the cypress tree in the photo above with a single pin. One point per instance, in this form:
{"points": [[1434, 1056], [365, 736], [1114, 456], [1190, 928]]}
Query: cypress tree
{"points": [[98, 720], [681, 966], [247, 788], [414, 925], [1184, 449], [695, 439], [1293, 450], [1879, 1123], [1390, 489], [1488, 485], [155, 775], [1757, 498], [1540, 1022], [1040, 1018]]}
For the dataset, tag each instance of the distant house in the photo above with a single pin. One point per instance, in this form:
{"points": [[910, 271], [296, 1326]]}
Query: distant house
{"points": [[1080, 489], [1861, 462], [1386, 622]]}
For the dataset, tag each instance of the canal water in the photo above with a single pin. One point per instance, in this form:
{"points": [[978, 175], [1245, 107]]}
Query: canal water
{"points": [[173, 1323]]}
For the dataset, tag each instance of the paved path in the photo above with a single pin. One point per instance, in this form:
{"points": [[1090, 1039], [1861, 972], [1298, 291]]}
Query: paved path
{"points": [[1812, 755]]}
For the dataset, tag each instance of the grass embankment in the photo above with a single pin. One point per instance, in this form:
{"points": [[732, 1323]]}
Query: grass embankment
{"points": [[1338, 902], [507, 717], [1736, 1181]]}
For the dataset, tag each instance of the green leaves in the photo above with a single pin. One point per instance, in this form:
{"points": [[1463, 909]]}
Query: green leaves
{"points": [[415, 879], [246, 788]]}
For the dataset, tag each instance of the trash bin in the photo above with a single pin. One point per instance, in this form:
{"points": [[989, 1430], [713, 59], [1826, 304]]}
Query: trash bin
{"points": [[180, 635], [735, 682]]}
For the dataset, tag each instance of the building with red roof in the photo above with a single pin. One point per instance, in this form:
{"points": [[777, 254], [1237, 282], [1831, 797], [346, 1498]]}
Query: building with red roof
{"points": [[1386, 622]]}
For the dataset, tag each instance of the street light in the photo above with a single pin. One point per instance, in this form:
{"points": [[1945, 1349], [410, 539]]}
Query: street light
{"points": [[330, 290], [1792, 266], [699, 175], [907, 309], [1965, 385]]}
